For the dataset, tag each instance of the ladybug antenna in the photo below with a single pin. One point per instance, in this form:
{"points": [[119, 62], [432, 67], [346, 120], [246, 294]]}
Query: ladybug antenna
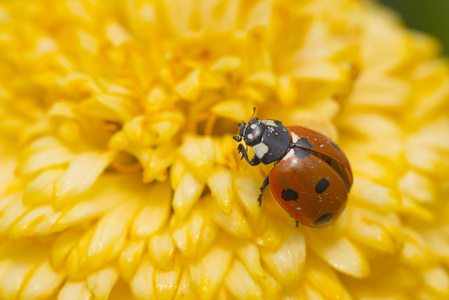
{"points": [[254, 112]]}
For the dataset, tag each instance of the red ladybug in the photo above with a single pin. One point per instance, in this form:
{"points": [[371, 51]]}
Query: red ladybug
{"points": [[311, 177]]}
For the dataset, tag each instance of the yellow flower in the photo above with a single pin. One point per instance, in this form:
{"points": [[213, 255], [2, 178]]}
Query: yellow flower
{"points": [[120, 178]]}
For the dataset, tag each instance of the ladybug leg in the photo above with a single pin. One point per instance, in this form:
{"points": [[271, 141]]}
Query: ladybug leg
{"points": [[297, 224], [262, 189], [254, 161]]}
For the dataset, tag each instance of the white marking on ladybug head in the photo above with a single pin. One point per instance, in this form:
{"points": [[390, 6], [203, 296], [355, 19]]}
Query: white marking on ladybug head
{"points": [[260, 150], [250, 136], [253, 126], [269, 122]]}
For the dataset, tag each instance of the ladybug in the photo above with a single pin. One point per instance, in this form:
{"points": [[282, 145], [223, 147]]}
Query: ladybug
{"points": [[311, 176]]}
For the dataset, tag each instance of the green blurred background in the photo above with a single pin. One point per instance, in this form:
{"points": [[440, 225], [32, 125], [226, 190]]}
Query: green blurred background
{"points": [[430, 16]]}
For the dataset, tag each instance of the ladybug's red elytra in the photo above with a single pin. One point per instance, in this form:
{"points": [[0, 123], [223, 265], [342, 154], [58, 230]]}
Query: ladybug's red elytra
{"points": [[311, 177]]}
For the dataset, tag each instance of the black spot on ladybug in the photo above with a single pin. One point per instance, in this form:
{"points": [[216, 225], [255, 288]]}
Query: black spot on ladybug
{"points": [[301, 153], [322, 185], [323, 219], [303, 142], [335, 145], [289, 195]]}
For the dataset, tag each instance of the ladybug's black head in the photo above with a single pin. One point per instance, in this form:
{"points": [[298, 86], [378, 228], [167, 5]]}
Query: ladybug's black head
{"points": [[252, 132], [269, 139]]}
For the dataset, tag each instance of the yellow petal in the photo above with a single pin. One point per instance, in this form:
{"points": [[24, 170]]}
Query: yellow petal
{"points": [[416, 186], [195, 233], [240, 283], [184, 288], [25, 225], [380, 197], [382, 232], [416, 251], [109, 107], [142, 284], [438, 280], [162, 250], [233, 109], [375, 90], [320, 275], [130, 258], [81, 174], [72, 290], [248, 191], [220, 183], [374, 125], [117, 34], [287, 262], [15, 275], [198, 154], [101, 282], [42, 188], [208, 272], [189, 88], [45, 158], [155, 100], [43, 283], [109, 233], [186, 194], [226, 64], [250, 257], [7, 166], [63, 245], [166, 283], [155, 212], [12, 212], [235, 222], [341, 254]]}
